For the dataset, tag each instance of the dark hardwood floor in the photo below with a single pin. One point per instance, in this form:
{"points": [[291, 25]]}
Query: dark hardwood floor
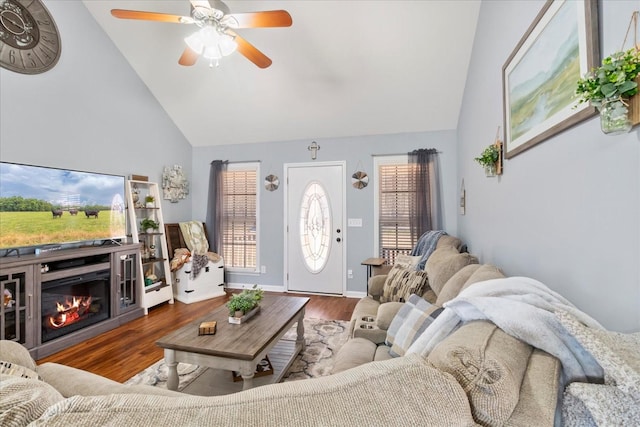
{"points": [[121, 353]]}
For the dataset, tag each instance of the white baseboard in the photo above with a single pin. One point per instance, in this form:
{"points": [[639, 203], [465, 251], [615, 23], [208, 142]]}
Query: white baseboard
{"points": [[272, 288], [268, 288], [358, 295]]}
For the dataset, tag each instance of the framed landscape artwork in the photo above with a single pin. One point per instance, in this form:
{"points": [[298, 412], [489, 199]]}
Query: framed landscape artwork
{"points": [[540, 76]]}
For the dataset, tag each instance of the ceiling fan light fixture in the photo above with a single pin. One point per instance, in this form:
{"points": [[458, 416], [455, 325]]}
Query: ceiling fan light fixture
{"points": [[210, 43], [195, 43]]}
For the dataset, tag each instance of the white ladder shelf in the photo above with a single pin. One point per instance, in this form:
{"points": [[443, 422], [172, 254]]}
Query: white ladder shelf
{"points": [[154, 261]]}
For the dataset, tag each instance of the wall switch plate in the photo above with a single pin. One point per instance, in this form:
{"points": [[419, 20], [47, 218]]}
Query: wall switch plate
{"points": [[354, 222], [350, 274], [263, 269]]}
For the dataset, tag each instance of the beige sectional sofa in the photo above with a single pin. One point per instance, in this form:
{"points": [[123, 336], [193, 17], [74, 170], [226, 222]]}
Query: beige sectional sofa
{"points": [[507, 381]]}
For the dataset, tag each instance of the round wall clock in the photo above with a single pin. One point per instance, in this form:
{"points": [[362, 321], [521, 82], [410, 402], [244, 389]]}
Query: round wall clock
{"points": [[29, 38]]}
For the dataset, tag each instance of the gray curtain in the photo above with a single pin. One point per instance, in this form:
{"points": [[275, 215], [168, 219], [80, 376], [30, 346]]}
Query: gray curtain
{"points": [[215, 205], [425, 207]]}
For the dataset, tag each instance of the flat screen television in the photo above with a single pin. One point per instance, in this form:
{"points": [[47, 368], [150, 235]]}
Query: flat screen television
{"points": [[43, 206]]}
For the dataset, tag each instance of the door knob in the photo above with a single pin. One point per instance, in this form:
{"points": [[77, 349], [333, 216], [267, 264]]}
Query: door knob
{"points": [[338, 240], [338, 230]]}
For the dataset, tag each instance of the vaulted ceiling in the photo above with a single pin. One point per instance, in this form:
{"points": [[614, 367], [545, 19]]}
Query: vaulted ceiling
{"points": [[344, 68]]}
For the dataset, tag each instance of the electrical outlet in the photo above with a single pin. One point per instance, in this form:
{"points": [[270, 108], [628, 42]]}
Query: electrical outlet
{"points": [[354, 222], [350, 274]]}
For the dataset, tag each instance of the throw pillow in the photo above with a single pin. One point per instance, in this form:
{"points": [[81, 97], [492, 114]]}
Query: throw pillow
{"points": [[401, 283], [407, 261], [410, 321]]}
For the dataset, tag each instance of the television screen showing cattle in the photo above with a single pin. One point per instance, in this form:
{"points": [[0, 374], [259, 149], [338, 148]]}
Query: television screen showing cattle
{"points": [[45, 206]]}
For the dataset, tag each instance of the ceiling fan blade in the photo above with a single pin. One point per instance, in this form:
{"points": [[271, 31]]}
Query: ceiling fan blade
{"points": [[269, 18], [250, 52], [204, 3], [151, 16], [188, 57]]}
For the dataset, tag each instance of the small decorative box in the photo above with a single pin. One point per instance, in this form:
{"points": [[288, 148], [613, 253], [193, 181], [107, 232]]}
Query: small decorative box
{"points": [[207, 328]]}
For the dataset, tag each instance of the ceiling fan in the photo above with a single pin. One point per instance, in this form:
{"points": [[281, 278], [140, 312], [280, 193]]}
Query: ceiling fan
{"points": [[216, 36]]}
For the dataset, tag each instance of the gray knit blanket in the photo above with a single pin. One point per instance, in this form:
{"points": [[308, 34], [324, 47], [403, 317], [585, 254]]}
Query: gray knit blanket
{"points": [[425, 246]]}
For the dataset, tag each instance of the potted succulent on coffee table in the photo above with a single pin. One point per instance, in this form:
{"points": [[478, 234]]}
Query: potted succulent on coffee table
{"points": [[244, 305]]}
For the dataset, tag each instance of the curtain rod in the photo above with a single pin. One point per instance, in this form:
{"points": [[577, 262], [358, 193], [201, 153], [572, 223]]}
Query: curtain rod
{"points": [[397, 154], [229, 162]]}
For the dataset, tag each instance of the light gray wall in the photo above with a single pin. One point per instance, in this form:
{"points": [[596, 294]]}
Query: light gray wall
{"points": [[359, 202], [567, 211], [90, 112]]}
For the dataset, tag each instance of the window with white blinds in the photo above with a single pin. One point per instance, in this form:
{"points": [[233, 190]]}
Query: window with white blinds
{"points": [[393, 198], [239, 224]]}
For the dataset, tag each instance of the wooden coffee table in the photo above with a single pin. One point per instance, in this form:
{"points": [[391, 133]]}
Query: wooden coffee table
{"points": [[236, 347]]}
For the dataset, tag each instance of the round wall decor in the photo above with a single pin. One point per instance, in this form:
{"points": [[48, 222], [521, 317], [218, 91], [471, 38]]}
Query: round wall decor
{"points": [[359, 180], [271, 182], [29, 38]]}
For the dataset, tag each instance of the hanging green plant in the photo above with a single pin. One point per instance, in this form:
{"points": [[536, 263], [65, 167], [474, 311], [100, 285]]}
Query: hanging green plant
{"points": [[609, 87], [490, 159], [489, 156]]}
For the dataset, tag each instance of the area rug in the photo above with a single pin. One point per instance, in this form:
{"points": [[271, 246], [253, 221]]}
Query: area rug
{"points": [[323, 339]]}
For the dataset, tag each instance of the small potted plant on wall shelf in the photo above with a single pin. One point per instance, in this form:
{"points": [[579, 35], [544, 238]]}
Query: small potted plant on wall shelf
{"points": [[489, 159], [244, 305], [149, 201], [149, 225], [609, 89]]}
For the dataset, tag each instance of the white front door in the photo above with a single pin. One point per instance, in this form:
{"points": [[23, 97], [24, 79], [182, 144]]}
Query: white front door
{"points": [[315, 236]]}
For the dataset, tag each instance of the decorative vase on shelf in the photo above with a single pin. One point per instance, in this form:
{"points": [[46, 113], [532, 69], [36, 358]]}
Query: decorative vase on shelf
{"points": [[490, 170], [614, 118]]}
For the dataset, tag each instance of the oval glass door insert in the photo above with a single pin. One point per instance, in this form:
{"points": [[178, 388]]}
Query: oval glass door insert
{"points": [[315, 227]]}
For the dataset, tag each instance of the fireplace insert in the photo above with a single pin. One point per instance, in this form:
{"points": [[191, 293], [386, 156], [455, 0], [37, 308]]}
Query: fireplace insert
{"points": [[72, 303]]}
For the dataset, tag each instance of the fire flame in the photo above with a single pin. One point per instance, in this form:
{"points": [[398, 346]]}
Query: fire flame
{"points": [[69, 312]]}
